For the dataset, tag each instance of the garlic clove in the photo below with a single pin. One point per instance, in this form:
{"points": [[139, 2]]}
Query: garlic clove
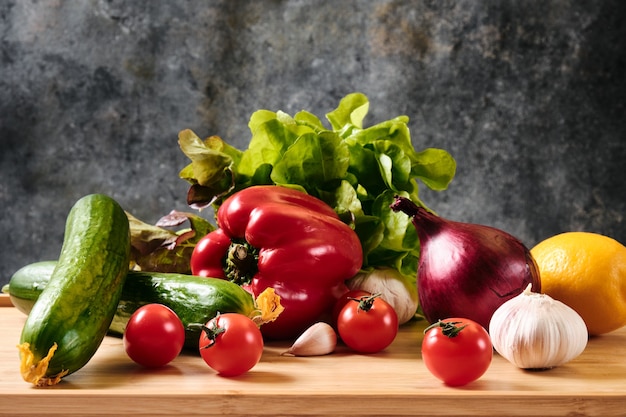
{"points": [[319, 339], [535, 331]]}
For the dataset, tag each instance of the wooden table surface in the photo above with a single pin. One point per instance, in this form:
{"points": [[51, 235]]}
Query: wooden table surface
{"points": [[394, 382]]}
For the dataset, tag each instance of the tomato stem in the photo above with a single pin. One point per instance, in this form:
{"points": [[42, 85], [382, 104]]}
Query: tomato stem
{"points": [[212, 333], [365, 302], [448, 328]]}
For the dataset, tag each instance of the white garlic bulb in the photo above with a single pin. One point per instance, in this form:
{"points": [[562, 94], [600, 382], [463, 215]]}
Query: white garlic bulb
{"points": [[535, 331], [396, 289]]}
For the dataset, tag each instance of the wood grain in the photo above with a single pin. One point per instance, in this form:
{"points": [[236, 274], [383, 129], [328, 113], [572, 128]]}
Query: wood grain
{"points": [[391, 383], [5, 301]]}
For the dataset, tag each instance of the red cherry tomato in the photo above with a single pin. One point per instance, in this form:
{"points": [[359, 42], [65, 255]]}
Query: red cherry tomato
{"points": [[368, 324], [231, 344], [457, 350], [154, 336], [343, 300]]}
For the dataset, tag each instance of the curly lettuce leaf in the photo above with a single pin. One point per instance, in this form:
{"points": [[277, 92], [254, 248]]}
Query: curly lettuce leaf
{"points": [[211, 169], [156, 248], [357, 170], [351, 111], [434, 167], [312, 161]]}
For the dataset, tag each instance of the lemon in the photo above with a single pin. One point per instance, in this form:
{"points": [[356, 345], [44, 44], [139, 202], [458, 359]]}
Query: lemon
{"points": [[586, 271]]}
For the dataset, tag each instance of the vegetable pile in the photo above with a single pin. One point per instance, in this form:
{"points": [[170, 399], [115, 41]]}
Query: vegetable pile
{"points": [[356, 170], [319, 238], [281, 238]]}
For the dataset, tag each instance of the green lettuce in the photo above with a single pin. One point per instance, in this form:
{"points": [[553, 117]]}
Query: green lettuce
{"points": [[356, 170]]}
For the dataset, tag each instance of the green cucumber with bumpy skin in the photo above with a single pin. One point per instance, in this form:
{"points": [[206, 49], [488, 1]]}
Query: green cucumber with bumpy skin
{"points": [[193, 299], [72, 314]]}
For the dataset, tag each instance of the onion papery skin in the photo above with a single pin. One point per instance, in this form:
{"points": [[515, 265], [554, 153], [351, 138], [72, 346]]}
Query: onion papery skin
{"points": [[467, 270]]}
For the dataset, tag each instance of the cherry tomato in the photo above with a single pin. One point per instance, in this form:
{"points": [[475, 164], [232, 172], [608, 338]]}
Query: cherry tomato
{"points": [[343, 300], [367, 324], [457, 350], [231, 344], [154, 336]]}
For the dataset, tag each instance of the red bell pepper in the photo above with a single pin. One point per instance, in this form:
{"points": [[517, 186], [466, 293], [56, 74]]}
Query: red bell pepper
{"points": [[272, 236]]}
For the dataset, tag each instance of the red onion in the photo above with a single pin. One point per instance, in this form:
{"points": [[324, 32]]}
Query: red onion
{"points": [[466, 270]]}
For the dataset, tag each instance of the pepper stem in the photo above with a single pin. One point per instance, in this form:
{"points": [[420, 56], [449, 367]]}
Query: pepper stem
{"points": [[241, 262]]}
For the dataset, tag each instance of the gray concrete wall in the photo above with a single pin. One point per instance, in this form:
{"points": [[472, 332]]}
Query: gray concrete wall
{"points": [[528, 96]]}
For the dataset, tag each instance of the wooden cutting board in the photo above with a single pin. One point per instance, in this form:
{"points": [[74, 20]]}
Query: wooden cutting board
{"points": [[394, 382]]}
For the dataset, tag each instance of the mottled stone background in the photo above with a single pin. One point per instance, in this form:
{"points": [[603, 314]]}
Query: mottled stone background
{"points": [[528, 96]]}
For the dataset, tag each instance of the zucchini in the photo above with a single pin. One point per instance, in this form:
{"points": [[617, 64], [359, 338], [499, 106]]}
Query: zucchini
{"points": [[72, 314], [194, 299]]}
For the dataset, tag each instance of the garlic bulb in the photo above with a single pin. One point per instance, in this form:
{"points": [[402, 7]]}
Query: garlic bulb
{"points": [[396, 289], [535, 331], [319, 339]]}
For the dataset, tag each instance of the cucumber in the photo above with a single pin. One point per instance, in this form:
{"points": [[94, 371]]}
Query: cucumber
{"points": [[194, 299], [72, 314], [27, 283]]}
